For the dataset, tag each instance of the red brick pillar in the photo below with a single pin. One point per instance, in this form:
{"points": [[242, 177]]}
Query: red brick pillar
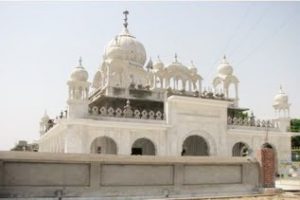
{"points": [[267, 162]]}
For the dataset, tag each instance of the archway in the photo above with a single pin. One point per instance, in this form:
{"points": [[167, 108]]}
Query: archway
{"points": [[231, 91], [180, 84], [240, 149], [104, 145], [143, 146], [172, 83], [195, 146]]}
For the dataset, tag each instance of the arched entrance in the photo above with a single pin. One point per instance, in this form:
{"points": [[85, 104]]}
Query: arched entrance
{"points": [[195, 146], [240, 149], [143, 146], [104, 145]]}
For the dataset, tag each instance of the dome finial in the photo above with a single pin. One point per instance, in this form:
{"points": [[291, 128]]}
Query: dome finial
{"points": [[125, 19], [280, 89], [80, 61]]}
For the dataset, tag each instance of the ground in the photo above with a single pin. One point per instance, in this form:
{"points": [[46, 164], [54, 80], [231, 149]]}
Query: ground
{"points": [[282, 196]]}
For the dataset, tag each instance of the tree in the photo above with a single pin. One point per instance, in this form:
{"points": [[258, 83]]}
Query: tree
{"points": [[295, 125]]}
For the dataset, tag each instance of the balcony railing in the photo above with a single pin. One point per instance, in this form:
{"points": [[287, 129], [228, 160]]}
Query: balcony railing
{"points": [[247, 122], [127, 112]]}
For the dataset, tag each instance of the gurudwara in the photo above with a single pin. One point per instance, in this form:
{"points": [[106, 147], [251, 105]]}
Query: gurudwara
{"points": [[162, 133], [134, 106]]}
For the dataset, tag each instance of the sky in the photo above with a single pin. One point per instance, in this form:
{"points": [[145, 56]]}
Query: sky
{"points": [[41, 42]]}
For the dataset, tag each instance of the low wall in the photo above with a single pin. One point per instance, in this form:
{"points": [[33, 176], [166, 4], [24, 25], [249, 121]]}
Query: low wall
{"points": [[24, 174]]}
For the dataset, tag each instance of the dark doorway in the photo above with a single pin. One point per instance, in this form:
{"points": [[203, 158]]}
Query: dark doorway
{"points": [[136, 151]]}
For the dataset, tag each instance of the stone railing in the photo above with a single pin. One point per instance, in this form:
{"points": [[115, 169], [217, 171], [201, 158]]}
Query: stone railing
{"points": [[129, 93], [127, 112], [251, 122], [204, 95]]}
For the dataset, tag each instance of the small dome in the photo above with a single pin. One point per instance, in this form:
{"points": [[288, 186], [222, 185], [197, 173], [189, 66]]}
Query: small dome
{"points": [[281, 99], [45, 118], [225, 68], [176, 65], [125, 46], [79, 73], [159, 65]]}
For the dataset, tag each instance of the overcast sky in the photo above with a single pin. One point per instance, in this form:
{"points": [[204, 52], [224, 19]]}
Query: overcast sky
{"points": [[41, 42]]}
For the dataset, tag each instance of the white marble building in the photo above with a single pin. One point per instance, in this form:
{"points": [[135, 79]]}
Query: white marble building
{"points": [[136, 107]]}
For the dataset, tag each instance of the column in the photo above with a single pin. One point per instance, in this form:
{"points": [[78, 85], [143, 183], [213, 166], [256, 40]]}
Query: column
{"points": [[236, 91]]}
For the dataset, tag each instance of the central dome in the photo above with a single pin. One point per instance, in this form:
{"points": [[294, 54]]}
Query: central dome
{"points": [[126, 47]]}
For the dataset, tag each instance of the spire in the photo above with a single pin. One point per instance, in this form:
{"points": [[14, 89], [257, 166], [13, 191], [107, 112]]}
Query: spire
{"points": [[280, 89], [193, 65], [80, 61], [224, 60], [45, 113], [45, 117], [149, 64], [158, 59], [176, 57], [125, 19]]}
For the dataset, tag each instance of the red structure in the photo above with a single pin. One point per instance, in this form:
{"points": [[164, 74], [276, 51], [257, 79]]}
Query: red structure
{"points": [[267, 162]]}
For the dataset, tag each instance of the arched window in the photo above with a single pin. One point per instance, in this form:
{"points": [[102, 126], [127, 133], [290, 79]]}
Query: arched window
{"points": [[195, 146], [104, 145], [240, 149], [143, 146]]}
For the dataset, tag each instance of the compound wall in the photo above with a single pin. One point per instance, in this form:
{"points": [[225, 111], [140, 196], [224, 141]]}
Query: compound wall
{"points": [[33, 175]]}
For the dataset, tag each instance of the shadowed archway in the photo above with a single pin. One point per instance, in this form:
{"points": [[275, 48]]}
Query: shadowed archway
{"points": [[195, 146], [104, 145], [143, 146]]}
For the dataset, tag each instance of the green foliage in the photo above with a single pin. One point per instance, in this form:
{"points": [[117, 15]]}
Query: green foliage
{"points": [[238, 113], [296, 142], [295, 125]]}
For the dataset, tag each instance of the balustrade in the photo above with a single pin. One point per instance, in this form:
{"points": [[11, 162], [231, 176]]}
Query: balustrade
{"points": [[127, 112], [251, 122]]}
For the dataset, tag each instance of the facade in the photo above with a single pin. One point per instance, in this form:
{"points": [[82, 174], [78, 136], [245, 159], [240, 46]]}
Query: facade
{"points": [[136, 107]]}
